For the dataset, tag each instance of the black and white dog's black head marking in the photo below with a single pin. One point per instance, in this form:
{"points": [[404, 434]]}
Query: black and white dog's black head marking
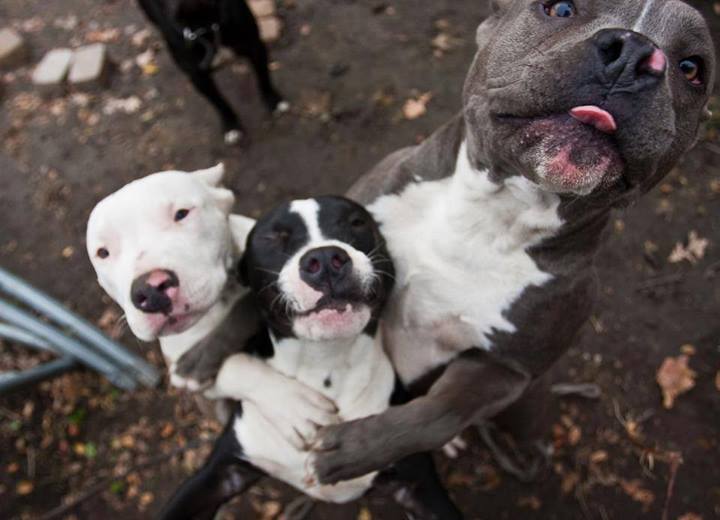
{"points": [[319, 268]]}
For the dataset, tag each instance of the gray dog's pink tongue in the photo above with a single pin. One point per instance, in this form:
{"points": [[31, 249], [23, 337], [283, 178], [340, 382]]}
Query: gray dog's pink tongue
{"points": [[595, 116]]}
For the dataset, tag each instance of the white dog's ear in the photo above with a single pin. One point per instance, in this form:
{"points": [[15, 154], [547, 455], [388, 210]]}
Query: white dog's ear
{"points": [[224, 198], [211, 176]]}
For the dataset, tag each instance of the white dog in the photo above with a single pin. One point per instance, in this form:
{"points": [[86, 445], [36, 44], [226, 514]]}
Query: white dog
{"points": [[165, 248]]}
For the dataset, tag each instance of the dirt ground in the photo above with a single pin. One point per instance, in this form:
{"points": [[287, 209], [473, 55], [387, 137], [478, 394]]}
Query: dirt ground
{"points": [[348, 66]]}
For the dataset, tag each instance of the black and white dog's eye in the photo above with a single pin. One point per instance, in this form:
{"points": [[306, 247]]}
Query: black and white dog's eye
{"points": [[102, 253], [181, 214], [358, 222], [692, 69], [560, 9], [281, 235]]}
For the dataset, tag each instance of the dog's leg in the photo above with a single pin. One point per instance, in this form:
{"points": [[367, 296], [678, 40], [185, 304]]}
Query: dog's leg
{"points": [[223, 477], [416, 486], [205, 85], [515, 437], [243, 36], [473, 387]]}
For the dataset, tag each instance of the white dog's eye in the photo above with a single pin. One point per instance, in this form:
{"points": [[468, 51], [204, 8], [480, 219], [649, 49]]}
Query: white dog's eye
{"points": [[181, 214], [102, 253]]}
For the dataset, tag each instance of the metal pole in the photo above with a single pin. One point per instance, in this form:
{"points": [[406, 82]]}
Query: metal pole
{"points": [[68, 346], [13, 380], [19, 335], [14, 286]]}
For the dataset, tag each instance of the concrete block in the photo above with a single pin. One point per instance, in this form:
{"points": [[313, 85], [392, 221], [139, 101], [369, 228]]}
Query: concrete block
{"points": [[13, 50], [90, 65], [270, 28], [53, 68], [262, 8]]}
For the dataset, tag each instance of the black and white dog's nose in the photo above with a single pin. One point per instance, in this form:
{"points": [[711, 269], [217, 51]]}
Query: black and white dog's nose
{"points": [[152, 292], [629, 60], [325, 266]]}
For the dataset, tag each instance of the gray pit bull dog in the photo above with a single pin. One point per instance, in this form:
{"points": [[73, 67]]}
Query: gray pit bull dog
{"points": [[570, 109]]}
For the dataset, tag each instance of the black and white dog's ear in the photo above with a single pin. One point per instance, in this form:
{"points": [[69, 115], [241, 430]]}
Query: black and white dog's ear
{"points": [[243, 275]]}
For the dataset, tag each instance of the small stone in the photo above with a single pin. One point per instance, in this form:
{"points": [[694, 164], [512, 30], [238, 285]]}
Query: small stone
{"points": [[53, 68], [90, 65], [262, 8], [270, 28], [12, 49]]}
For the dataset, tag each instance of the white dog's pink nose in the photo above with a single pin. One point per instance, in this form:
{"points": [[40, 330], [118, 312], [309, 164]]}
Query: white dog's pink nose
{"points": [[154, 292]]}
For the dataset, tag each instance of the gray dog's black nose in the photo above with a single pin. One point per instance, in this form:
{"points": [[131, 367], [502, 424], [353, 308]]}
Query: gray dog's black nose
{"points": [[151, 292], [324, 266], [628, 60]]}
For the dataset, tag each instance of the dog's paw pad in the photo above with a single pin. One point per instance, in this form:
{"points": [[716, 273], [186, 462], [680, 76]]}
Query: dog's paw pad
{"points": [[233, 137], [282, 107]]}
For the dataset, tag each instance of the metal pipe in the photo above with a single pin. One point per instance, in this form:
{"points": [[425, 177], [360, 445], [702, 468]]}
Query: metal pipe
{"points": [[67, 345], [14, 286], [14, 380], [22, 336]]}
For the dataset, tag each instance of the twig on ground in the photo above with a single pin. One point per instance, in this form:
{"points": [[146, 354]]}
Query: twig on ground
{"points": [[675, 461]]}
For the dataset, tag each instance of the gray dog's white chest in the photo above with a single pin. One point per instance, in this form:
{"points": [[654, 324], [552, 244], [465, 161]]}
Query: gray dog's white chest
{"points": [[460, 251]]}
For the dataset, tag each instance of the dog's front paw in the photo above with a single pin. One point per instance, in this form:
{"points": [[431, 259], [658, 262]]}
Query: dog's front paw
{"points": [[298, 412], [349, 450], [185, 383], [234, 137], [282, 107]]}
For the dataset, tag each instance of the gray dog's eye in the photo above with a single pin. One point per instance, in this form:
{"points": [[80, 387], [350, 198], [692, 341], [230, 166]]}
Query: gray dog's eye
{"points": [[181, 214], [561, 9], [102, 253], [692, 69]]}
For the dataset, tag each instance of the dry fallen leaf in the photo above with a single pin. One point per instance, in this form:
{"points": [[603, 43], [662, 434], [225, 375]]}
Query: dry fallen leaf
{"points": [[693, 252], [24, 487], [675, 378], [717, 380], [415, 108], [690, 516], [364, 514], [569, 482], [634, 489]]}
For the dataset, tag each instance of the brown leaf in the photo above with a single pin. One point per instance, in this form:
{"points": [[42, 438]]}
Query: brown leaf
{"points": [[717, 380], [634, 489], [693, 252], [531, 502], [416, 107], [364, 514], [675, 378], [574, 435], [599, 456], [24, 487], [690, 516], [569, 482]]}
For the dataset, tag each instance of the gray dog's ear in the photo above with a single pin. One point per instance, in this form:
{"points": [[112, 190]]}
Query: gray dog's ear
{"points": [[211, 176], [487, 28]]}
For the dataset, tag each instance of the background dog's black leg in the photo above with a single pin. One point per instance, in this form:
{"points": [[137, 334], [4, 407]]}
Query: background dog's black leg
{"points": [[242, 35], [416, 486], [223, 477], [205, 84]]}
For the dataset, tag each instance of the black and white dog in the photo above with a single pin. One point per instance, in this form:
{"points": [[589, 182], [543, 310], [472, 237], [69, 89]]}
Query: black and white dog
{"points": [[320, 274], [194, 31]]}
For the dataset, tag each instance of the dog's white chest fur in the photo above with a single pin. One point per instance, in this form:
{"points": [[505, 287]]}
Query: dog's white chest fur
{"points": [[460, 251], [355, 374]]}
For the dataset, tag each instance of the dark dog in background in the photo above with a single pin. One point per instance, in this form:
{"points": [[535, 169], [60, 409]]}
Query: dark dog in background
{"points": [[194, 31]]}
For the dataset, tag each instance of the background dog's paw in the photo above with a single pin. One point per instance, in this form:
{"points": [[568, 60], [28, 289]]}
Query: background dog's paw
{"points": [[233, 137], [282, 107], [185, 383], [453, 448]]}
